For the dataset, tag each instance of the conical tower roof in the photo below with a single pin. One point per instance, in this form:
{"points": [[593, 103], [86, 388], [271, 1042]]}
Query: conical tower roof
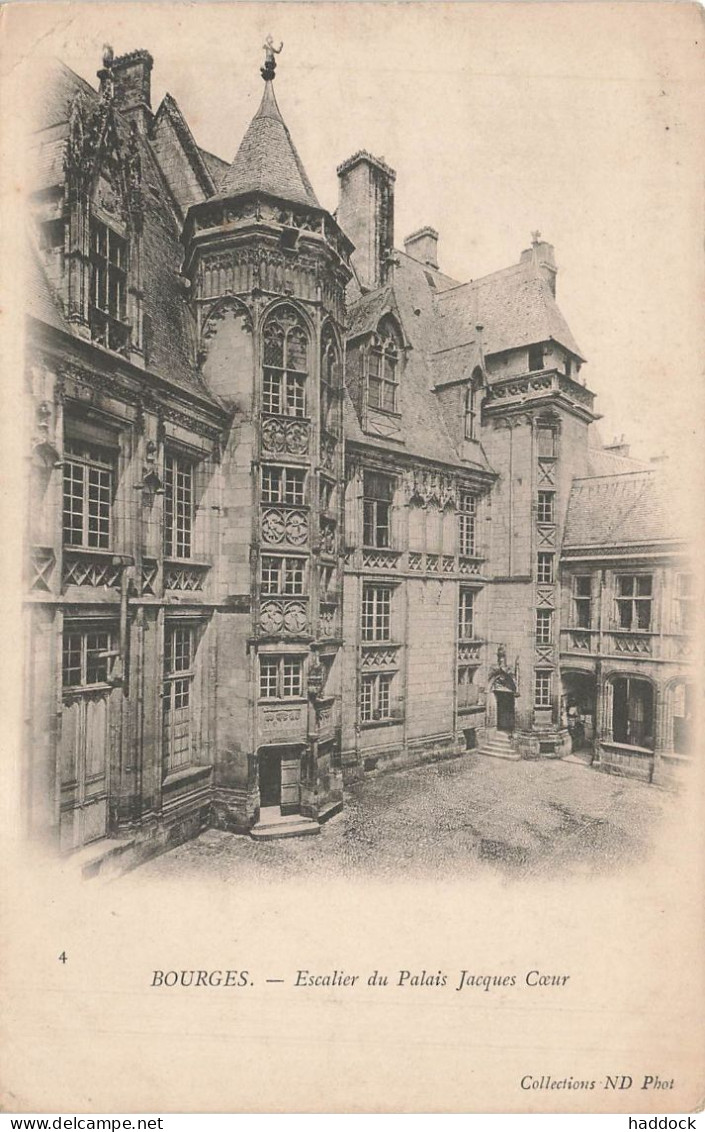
{"points": [[267, 160]]}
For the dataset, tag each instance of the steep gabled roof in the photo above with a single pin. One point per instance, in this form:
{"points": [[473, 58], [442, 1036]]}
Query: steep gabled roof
{"points": [[515, 307], [633, 508], [267, 160]]}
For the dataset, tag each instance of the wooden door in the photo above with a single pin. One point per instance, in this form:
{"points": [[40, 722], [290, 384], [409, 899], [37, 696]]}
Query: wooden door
{"points": [[84, 769], [269, 779], [505, 711], [290, 785]]}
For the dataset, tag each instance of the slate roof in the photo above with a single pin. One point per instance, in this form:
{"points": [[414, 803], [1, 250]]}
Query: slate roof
{"points": [[267, 160], [604, 463], [41, 302], [634, 508], [515, 307], [411, 298]]}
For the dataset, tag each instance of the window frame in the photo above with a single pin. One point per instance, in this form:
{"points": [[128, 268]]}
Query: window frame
{"points": [[467, 524], [545, 577], [536, 351], [288, 584], [466, 618], [580, 601], [95, 458], [543, 688], [179, 509], [108, 286], [284, 390], [544, 627], [278, 662], [385, 350], [376, 613], [87, 656], [290, 481], [633, 602], [377, 511], [546, 506], [377, 706], [178, 695]]}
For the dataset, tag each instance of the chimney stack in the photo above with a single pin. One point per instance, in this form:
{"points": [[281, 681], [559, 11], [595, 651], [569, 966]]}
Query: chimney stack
{"points": [[423, 246], [132, 84], [366, 215], [618, 447], [543, 256]]}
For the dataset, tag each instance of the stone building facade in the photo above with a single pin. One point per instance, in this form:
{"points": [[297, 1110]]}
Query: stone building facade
{"points": [[302, 506]]}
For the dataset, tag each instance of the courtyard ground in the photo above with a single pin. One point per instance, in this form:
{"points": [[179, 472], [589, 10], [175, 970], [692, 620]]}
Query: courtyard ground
{"points": [[460, 815]]}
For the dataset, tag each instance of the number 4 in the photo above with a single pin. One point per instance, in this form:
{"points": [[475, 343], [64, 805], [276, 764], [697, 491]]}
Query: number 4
{"points": [[62, 957]]}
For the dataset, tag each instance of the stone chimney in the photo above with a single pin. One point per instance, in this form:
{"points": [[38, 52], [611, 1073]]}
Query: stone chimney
{"points": [[423, 246], [617, 447], [542, 255], [131, 76], [366, 215]]}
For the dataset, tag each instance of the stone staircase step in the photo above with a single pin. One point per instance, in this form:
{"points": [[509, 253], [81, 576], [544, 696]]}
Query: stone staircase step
{"points": [[270, 831]]}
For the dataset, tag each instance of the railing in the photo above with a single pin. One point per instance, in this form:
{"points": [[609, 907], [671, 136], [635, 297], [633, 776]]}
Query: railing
{"points": [[413, 562], [90, 568], [188, 577], [381, 655], [380, 559], [628, 643]]}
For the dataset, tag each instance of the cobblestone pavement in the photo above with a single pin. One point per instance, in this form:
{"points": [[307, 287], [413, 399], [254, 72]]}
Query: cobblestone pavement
{"points": [[457, 816]]}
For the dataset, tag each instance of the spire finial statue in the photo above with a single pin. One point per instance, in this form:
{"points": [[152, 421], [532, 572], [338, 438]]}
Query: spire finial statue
{"points": [[535, 237], [270, 63]]}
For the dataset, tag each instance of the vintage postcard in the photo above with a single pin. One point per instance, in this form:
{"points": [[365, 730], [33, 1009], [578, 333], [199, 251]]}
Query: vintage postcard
{"points": [[352, 515]]}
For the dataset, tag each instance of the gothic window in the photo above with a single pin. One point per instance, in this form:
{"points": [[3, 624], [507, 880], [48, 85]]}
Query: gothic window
{"points": [[466, 612], [330, 378], [376, 613], [375, 696], [177, 696], [634, 595], [383, 369], [582, 601], [89, 473], [281, 677], [285, 364], [633, 712], [466, 523], [377, 508], [179, 506], [108, 293]]}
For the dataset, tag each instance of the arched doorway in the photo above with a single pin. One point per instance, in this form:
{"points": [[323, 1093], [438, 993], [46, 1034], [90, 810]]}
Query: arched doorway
{"points": [[504, 690]]}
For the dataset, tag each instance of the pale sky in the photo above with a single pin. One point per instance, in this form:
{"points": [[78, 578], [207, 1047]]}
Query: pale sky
{"points": [[582, 120]]}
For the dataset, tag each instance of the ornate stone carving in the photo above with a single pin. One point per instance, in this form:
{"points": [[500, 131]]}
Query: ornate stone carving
{"points": [[429, 486], [284, 434], [284, 526]]}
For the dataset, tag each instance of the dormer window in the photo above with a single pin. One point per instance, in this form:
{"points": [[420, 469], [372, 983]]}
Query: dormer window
{"points": [[383, 369], [108, 296], [472, 404]]}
